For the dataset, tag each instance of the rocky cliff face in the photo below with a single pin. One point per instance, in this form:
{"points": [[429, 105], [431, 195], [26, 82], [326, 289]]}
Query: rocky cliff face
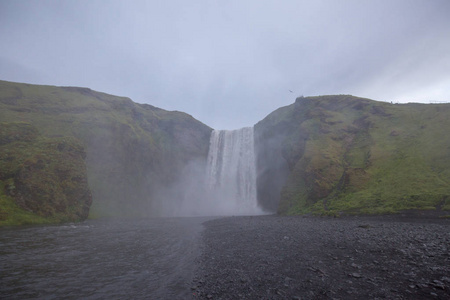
{"points": [[132, 150], [41, 178], [333, 154]]}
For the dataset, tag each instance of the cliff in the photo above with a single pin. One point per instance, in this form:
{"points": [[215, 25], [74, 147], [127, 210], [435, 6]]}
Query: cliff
{"points": [[132, 150], [344, 154], [321, 155]]}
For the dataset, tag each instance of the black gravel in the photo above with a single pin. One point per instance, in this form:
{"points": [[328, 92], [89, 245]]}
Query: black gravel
{"points": [[273, 257]]}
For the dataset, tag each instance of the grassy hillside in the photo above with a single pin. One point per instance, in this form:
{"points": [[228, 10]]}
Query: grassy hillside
{"points": [[355, 155], [132, 149], [41, 179]]}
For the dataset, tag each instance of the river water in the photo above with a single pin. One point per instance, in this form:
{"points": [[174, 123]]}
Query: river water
{"points": [[100, 259]]}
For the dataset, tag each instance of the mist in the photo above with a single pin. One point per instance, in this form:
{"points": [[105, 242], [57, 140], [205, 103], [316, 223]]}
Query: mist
{"points": [[186, 197], [224, 184]]}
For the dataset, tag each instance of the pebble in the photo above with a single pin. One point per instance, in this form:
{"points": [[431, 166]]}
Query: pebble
{"points": [[316, 257]]}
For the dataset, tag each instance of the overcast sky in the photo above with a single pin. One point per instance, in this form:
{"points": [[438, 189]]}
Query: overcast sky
{"points": [[230, 63]]}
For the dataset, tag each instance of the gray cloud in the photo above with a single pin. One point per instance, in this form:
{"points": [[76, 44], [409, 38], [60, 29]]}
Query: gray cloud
{"points": [[230, 63]]}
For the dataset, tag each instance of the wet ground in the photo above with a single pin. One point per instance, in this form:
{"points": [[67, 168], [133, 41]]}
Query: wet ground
{"points": [[264, 257], [273, 257], [121, 259]]}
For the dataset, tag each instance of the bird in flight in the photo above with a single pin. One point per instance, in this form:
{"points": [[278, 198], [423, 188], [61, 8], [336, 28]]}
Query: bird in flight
{"points": [[290, 91]]}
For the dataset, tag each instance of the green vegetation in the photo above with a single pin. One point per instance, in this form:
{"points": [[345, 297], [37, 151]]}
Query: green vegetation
{"points": [[11, 214], [353, 155], [42, 179], [322, 155], [131, 149]]}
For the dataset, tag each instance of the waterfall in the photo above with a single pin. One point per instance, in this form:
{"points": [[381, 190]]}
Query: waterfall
{"points": [[231, 172]]}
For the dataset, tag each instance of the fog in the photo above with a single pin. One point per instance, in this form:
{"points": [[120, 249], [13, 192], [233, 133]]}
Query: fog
{"points": [[191, 196], [224, 184], [230, 63]]}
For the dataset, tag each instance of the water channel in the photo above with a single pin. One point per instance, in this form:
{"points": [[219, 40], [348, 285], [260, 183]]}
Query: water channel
{"points": [[100, 259]]}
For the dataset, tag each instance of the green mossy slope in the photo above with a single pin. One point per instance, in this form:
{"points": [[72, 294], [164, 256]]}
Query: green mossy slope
{"points": [[355, 155], [42, 179], [132, 149]]}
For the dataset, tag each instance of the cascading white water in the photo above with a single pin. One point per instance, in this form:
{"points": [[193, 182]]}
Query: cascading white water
{"points": [[231, 172]]}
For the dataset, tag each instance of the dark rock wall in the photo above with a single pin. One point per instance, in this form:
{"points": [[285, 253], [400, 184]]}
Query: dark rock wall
{"points": [[272, 168]]}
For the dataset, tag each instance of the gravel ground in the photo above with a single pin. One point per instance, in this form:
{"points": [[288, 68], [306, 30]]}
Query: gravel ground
{"points": [[274, 257]]}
